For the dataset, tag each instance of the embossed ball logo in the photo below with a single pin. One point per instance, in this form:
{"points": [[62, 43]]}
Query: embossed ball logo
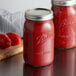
{"points": [[40, 40]]}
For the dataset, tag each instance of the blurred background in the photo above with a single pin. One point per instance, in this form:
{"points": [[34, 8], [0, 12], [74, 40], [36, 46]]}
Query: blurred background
{"points": [[22, 5]]}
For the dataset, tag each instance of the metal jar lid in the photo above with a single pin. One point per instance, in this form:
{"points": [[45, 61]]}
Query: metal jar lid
{"points": [[64, 2], [39, 14]]}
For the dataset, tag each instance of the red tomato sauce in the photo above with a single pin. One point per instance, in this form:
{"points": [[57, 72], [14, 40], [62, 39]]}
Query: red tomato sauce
{"points": [[65, 26]]}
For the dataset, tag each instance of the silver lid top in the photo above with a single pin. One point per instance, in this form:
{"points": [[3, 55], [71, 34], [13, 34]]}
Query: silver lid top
{"points": [[64, 2], [39, 14]]}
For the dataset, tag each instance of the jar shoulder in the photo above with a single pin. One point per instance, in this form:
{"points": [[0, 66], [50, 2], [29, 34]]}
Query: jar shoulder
{"points": [[68, 10], [39, 25]]}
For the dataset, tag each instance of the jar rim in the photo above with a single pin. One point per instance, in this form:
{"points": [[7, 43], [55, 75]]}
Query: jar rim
{"points": [[64, 3], [39, 14]]}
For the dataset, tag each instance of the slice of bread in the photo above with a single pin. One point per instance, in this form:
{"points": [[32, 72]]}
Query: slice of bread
{"points": [[11, 51]]}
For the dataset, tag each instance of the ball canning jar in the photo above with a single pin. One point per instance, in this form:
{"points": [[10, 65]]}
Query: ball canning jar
{"points": [[65, 23], [38, 37]]}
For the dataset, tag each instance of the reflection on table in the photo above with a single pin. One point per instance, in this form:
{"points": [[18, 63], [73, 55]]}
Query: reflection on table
{"points": [[65, 62], [38, 71]]}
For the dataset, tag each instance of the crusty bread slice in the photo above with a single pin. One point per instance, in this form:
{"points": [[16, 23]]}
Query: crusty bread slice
{"points": [[11, 51]]}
